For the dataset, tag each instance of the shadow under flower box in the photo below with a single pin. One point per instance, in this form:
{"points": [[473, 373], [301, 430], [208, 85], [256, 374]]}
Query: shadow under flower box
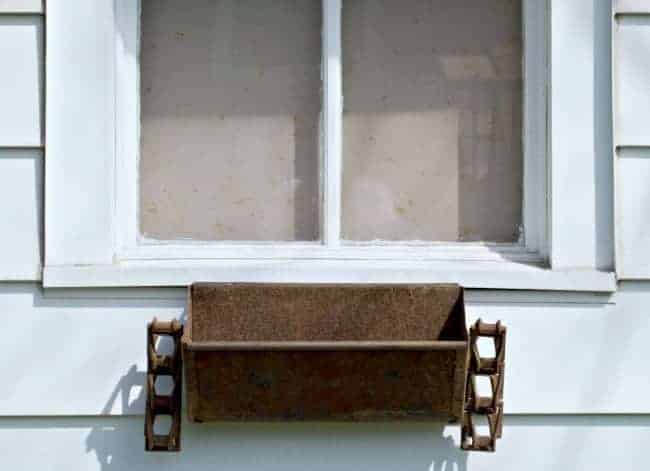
{"points": [[325, 352]]}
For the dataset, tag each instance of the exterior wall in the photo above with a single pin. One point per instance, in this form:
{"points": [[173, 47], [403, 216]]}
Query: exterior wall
{"points": [[631, 31], [21, 140], [71, 394], [567, 353], [530, 443]]}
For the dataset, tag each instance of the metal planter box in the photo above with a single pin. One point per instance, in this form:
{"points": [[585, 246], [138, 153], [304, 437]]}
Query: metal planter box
{"points": [[324, 352]]}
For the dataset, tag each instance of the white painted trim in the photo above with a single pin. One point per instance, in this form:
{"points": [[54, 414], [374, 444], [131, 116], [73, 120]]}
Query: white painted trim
{"points": [[469, 274], [577, 238], [132, 246], [127, 122], [535, 204], [80, 138], [504, 253], [536, 115], [332, 122], [139, 262]]}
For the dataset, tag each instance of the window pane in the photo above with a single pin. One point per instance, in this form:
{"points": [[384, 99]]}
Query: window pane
{"points": [[230, 104], [432, 120]]}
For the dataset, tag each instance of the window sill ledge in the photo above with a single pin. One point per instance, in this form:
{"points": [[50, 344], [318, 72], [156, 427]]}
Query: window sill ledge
{"points": [[470, 274]]}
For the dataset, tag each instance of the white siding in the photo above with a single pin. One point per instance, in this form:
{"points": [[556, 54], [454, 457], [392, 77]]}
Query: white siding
{"points": [[633, 203], [21, 80], [21, 131], [529, 443], [77, 356], [631, 6], [21, 183], [22, 6], [631, 72], [566, 353]]}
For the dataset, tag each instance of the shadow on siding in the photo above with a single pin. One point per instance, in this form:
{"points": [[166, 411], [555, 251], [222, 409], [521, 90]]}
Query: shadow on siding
{"points": [[118, 444]]}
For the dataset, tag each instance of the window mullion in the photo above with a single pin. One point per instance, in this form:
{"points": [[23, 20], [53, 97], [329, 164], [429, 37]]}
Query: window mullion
{"points": [[332, 122]]}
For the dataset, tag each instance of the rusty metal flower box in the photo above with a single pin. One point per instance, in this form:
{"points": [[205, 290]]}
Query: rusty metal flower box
{"points": [[261, 352], [306, 352]]}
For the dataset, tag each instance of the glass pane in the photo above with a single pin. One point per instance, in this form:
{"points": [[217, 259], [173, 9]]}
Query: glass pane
{"points": [[230, 104], [432, 120]]}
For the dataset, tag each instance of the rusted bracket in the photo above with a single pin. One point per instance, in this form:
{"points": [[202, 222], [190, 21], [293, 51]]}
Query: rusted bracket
{"points": [[158, 365], [475, 404]]}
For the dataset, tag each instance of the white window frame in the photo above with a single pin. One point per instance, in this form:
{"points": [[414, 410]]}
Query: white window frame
{"points": [[105, 247]]}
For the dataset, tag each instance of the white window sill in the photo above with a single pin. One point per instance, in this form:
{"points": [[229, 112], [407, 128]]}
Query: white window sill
{"points": [[470, 274]]}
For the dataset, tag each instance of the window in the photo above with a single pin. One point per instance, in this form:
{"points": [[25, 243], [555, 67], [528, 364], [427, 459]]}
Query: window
{"points": [[316, 140], [230, 105]]}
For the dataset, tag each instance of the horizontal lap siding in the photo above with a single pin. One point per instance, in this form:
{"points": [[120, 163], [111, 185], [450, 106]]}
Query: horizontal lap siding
{"points": [[631, 6], [21, 185], [21, 82], [530, 443], [22, 6], [21, 139], [631, 75], [82, 352]]}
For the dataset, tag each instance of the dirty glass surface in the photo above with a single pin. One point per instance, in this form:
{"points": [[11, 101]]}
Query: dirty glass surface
{"points": [[230, 102], [432, 120]]}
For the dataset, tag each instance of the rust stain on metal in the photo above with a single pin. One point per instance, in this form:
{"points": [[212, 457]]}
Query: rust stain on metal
{"points": [[268, 312], [487, 406], [403, 352], [324, 385], [170, 405], [326, 352]]}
